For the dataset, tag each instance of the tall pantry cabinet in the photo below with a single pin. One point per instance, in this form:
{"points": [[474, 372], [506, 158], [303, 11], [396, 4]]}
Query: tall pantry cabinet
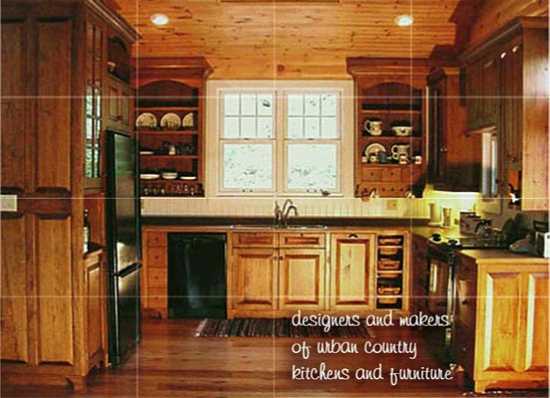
{"points": [[54, 63]]}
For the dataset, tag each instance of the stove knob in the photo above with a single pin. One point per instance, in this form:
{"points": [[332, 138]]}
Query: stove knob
{"points": [[453, 242], [436, 237]]}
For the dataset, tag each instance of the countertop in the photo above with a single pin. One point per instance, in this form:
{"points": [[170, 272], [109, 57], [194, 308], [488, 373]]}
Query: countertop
{"points": [[496, 256], [249, 222]]}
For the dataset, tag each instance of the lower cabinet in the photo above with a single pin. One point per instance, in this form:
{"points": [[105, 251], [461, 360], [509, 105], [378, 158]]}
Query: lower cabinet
{"points": [[502, 324], [302, 279], [352, 271], [255, 273]]}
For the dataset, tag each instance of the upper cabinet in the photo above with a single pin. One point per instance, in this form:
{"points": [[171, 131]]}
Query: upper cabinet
{"points": [[390, 126], [107, 91], [454, 157], [506, 81], [170, 124]]}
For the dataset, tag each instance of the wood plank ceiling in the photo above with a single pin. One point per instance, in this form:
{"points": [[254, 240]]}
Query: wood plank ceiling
{"points": [[289, 41]]}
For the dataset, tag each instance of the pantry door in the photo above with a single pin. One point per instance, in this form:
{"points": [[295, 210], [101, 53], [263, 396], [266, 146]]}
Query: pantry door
{"points": [[39, 156]]}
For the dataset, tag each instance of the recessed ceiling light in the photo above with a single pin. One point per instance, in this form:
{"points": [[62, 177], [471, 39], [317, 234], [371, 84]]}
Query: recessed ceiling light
{"points": [[404, 20], [160, 19]]}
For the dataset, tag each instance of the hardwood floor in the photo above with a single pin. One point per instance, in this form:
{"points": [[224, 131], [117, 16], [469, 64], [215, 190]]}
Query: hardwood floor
{"points": [[170, 362]]}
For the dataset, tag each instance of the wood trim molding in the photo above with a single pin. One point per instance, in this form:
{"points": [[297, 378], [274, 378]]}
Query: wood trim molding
{"points": [[503, 34]]}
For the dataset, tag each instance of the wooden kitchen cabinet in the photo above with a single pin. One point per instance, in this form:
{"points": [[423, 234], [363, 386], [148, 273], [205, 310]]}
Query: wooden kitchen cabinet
{"points": [[154, 281], [419, 274], [455, 158], [52, 314], [507, 88], [501, 322], [392, 91], [255, 279], [119, 101], [302, 279], [352, 272]]}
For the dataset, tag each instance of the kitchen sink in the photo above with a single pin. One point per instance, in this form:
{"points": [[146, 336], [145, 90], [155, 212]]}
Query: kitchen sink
{"points": [[302, 227]]}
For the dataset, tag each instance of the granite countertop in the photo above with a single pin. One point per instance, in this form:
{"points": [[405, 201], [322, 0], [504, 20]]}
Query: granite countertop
{"points": [[268, 221]]}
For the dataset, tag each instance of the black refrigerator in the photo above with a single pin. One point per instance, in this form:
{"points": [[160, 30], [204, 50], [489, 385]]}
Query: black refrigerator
{"points": [[123, 239]]}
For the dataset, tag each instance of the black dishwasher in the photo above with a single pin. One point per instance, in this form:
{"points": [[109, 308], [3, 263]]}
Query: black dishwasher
{"points": [[196, 275]]}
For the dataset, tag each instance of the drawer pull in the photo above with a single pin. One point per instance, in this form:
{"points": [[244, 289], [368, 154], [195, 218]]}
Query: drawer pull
{"points": [[353, 236]]}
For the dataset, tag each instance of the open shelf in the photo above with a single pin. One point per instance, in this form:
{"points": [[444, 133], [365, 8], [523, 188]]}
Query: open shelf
{"points": [[391, 280], [172, 85]]}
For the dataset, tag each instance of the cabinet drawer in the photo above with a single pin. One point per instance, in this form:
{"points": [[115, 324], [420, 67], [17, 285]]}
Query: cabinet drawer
{"points": [[157, 257], [392, 174], [392, 190], [302, 240], [157, 298], [157, 277], [155, 239], [254, 239], [374, 174]]}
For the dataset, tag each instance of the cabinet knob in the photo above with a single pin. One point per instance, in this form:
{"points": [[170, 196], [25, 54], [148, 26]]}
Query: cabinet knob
{"points": [[443, 149]]}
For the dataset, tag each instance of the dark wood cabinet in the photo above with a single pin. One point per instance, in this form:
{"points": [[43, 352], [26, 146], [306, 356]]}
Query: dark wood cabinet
{"points": [[391, 92], [172, 87], [507, 88], [454, 157]]}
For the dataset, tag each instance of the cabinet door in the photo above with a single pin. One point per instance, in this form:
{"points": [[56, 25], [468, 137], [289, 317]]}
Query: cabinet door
{"points": [[512, 323], [302, 279], [113, 103], [511, 88], [420, 273], [124, 107], [255, 279], [489, 91], [352, 271], [438, 142], [95, 307], [473, 94]]}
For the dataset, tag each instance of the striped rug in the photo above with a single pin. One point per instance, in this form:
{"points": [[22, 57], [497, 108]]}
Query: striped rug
{"points": [[263, 327]]}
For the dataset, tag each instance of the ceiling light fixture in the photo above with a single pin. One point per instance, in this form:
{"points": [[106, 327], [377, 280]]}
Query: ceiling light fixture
{"points": [[404, 20], [160, 19]]}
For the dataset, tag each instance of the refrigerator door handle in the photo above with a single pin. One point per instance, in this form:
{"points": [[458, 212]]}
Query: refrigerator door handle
{"points": [[128, 270]]}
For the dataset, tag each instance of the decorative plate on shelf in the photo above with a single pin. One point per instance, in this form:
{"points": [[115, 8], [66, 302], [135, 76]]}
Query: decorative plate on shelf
{"points": [[149, 176], [146, 120], [373, 149], [170, 121], [188, 121], [144, 152]]}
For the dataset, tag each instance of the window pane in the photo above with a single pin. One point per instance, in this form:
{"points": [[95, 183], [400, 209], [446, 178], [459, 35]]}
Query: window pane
{"points": [[248, 104], [248, 127], [295, 127], [231, 104], [247, 166], [312, 127], [312, 105], [295, 105], [265, 104], [265, 127], [328, 104], [328, 127], [231, 127], [312, 167]]}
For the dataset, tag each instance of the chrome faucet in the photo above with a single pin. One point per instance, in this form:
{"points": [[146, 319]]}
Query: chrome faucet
{"points": [[282, 214]]}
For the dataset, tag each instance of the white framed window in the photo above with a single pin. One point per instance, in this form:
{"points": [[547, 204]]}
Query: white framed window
{"points": [[247, 141], [277, 138], [312, 132]]}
